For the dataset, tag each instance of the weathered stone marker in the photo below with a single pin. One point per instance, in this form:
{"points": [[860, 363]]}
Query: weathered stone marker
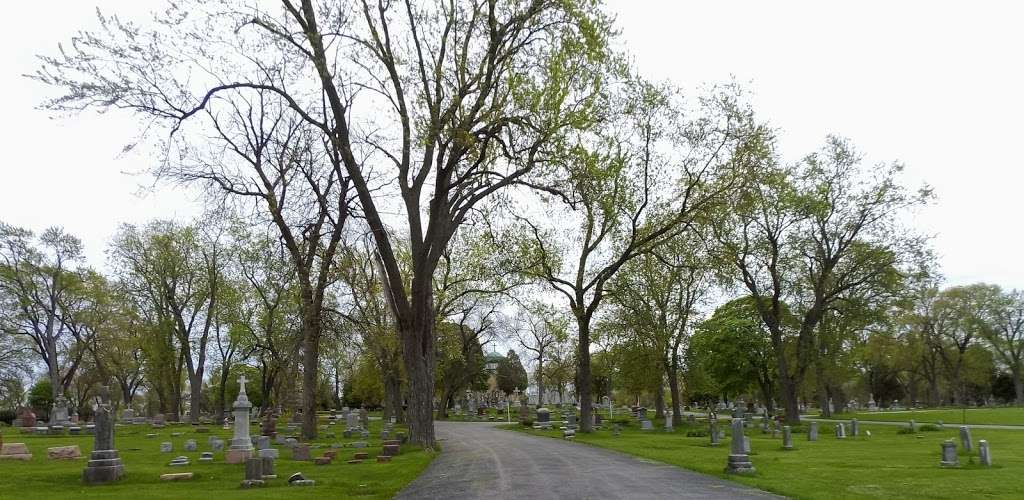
{"points": [[812, 431], [787, 438], [241, 444], [949, 458], [854, 428], [104, 463], [840, 431], [268, 468], [253, 473], [965, 438], [739, 460], [713, 431], [984, 455]]}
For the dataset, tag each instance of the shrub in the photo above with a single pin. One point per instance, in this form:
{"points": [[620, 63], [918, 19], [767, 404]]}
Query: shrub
{"points": [[697, 434], [527, 423], [7, 416], [928, 428]]}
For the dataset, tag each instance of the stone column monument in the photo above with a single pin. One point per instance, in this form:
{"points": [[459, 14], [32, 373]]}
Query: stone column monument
{"points": [[739, 460], [241, 444], [104, 464]]}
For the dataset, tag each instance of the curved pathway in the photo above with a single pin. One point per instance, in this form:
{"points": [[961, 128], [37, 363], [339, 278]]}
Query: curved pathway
{"points": [[480, 461]]}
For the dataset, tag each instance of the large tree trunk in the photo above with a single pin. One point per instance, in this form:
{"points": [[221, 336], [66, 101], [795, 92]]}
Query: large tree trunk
{"points": [[222, 393], [583, 360], [673, 388], [392, 397], [419, 365], [540, 381], [310, 367], [195, 383], [417, 336], [1018, 384], [659, 401], [790, 389]]}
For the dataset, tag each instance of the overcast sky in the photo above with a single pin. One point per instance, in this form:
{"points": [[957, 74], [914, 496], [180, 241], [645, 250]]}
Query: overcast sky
{"points": [[936, 85]]}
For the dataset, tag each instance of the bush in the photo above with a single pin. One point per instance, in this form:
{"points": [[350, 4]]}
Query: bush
{"points": [[928, 428], [7, 416], [527, 423], [697, 434]]}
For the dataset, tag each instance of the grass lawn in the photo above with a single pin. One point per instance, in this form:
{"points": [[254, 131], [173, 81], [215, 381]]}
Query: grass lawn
{"points": [[885, 465], [995, 416], [143, 463]]}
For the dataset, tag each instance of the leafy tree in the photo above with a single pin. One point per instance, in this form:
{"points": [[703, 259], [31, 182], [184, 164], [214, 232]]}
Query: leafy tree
{"points": [[609, 209], [463, 99], [40, 397], [511, 374], [1006, 337], [733, 348], [657, 297], [178, 272], [809, 234], [40, 282], [539, 331]]}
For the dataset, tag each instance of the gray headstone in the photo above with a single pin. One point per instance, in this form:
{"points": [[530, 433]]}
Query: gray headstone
{"points": [[812, 431], [840, 431], [206, 456], [262, 442], [965, 438], [854, 428], [984, 455], [713, 432], [217, 445], [190, 445], [254, 469], [166, 447], [787, 438], [949, 458], [739, 459], [268, 452], [268, 468], [645, 425]]}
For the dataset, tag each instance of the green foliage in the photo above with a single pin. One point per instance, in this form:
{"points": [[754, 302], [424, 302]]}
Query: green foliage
{"points": [[734, 349], [40, 398], [511, 375]]}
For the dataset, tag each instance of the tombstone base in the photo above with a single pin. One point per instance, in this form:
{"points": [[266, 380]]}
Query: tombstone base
{"points": [[237, 456], [739, 464], [104, 467], [949, 464], [252, 483]]}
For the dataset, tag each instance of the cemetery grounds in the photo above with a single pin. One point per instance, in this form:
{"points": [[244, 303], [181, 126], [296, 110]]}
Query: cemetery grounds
{"points": [[144, 463], [890, 463]]}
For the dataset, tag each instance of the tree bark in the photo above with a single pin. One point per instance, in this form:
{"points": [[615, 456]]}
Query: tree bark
{"points": [[310, 366], [673, 387], [1018, 384], [659, 401], [585, 386], [417, 335]]}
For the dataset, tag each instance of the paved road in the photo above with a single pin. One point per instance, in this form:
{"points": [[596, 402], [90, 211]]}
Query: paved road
{"points": [[480, 461]]}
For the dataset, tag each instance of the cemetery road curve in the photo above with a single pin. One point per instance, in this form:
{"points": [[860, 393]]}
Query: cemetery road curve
{"points": [[480, 461]]}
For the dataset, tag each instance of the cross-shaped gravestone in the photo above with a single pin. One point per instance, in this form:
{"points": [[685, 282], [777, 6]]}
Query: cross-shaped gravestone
{"points": [[241, 384]]}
